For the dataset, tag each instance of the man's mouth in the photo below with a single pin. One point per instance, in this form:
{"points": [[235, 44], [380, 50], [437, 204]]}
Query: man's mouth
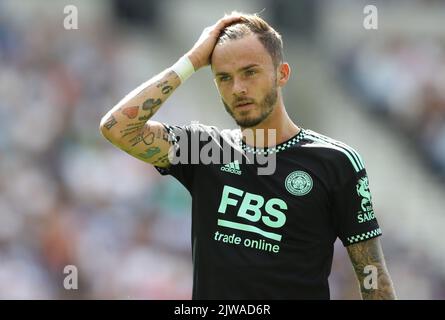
{"points": [[243, 104]]}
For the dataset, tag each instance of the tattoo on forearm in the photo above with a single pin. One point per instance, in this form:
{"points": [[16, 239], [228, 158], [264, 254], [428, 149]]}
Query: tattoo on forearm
{"points": [[129, 132], [163, 159], [131, 112], [110, 123], [150, 152], [165, 88], [162, 134], [146, 136], [151, 104], [172, 74], [134, 141], [149, 138], [132, 128], [369, 253], [144, 118]]}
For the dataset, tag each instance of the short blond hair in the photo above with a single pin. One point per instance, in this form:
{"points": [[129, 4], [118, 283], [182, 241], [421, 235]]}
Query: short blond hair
{"points": [[254, 24]]}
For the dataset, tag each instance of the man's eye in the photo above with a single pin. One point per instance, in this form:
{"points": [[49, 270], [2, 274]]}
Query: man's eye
{"points": [[250, 72], [224, 78]]}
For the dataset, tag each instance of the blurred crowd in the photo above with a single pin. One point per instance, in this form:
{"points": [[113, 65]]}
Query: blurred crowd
{"points": [[402, 78], [67, 197]]}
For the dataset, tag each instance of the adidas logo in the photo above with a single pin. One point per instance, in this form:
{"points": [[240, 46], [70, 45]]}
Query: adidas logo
{"points": [[232, 167]]}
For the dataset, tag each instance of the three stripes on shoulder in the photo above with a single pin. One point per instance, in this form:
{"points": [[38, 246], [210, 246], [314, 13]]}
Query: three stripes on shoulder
{"points": [[320, 140]]}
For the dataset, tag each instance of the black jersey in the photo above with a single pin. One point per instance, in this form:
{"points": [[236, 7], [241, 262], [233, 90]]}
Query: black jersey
{"points": [[271, 236]]}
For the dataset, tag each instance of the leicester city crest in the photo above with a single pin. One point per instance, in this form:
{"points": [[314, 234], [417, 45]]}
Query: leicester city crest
{"points": [[299, 183]]}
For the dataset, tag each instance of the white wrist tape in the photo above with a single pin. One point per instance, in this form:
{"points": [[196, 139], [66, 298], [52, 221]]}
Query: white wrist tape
{"points": [[183, 68]]}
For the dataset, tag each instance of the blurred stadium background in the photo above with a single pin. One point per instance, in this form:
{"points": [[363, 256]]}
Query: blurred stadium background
{"points": [[68, 197]]}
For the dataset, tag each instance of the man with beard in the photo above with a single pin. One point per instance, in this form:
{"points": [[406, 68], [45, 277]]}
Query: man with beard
{"points": [[256, 236]]}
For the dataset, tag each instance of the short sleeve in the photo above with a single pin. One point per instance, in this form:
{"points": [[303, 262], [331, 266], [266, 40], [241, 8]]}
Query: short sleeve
{"points": [[353, 208], [179, 155], [184, 155]]}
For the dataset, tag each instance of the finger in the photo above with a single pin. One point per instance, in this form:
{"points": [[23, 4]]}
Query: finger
{"points": [[223, 22]]}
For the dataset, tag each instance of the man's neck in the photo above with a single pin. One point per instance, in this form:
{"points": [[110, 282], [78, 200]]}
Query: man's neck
{"points": [[275, 129]]}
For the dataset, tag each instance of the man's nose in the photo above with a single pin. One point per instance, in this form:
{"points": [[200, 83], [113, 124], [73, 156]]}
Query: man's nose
{"points": [[239, 87]]}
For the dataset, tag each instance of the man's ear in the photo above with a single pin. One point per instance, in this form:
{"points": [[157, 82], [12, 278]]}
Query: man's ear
{"points": [[283, 74]]}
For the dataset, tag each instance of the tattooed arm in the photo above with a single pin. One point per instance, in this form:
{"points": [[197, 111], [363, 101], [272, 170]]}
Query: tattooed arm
{"points": [[128, 126], [368, 261]]}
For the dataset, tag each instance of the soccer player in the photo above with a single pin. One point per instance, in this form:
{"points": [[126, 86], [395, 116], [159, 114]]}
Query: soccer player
{"points": [[256, 235]]}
